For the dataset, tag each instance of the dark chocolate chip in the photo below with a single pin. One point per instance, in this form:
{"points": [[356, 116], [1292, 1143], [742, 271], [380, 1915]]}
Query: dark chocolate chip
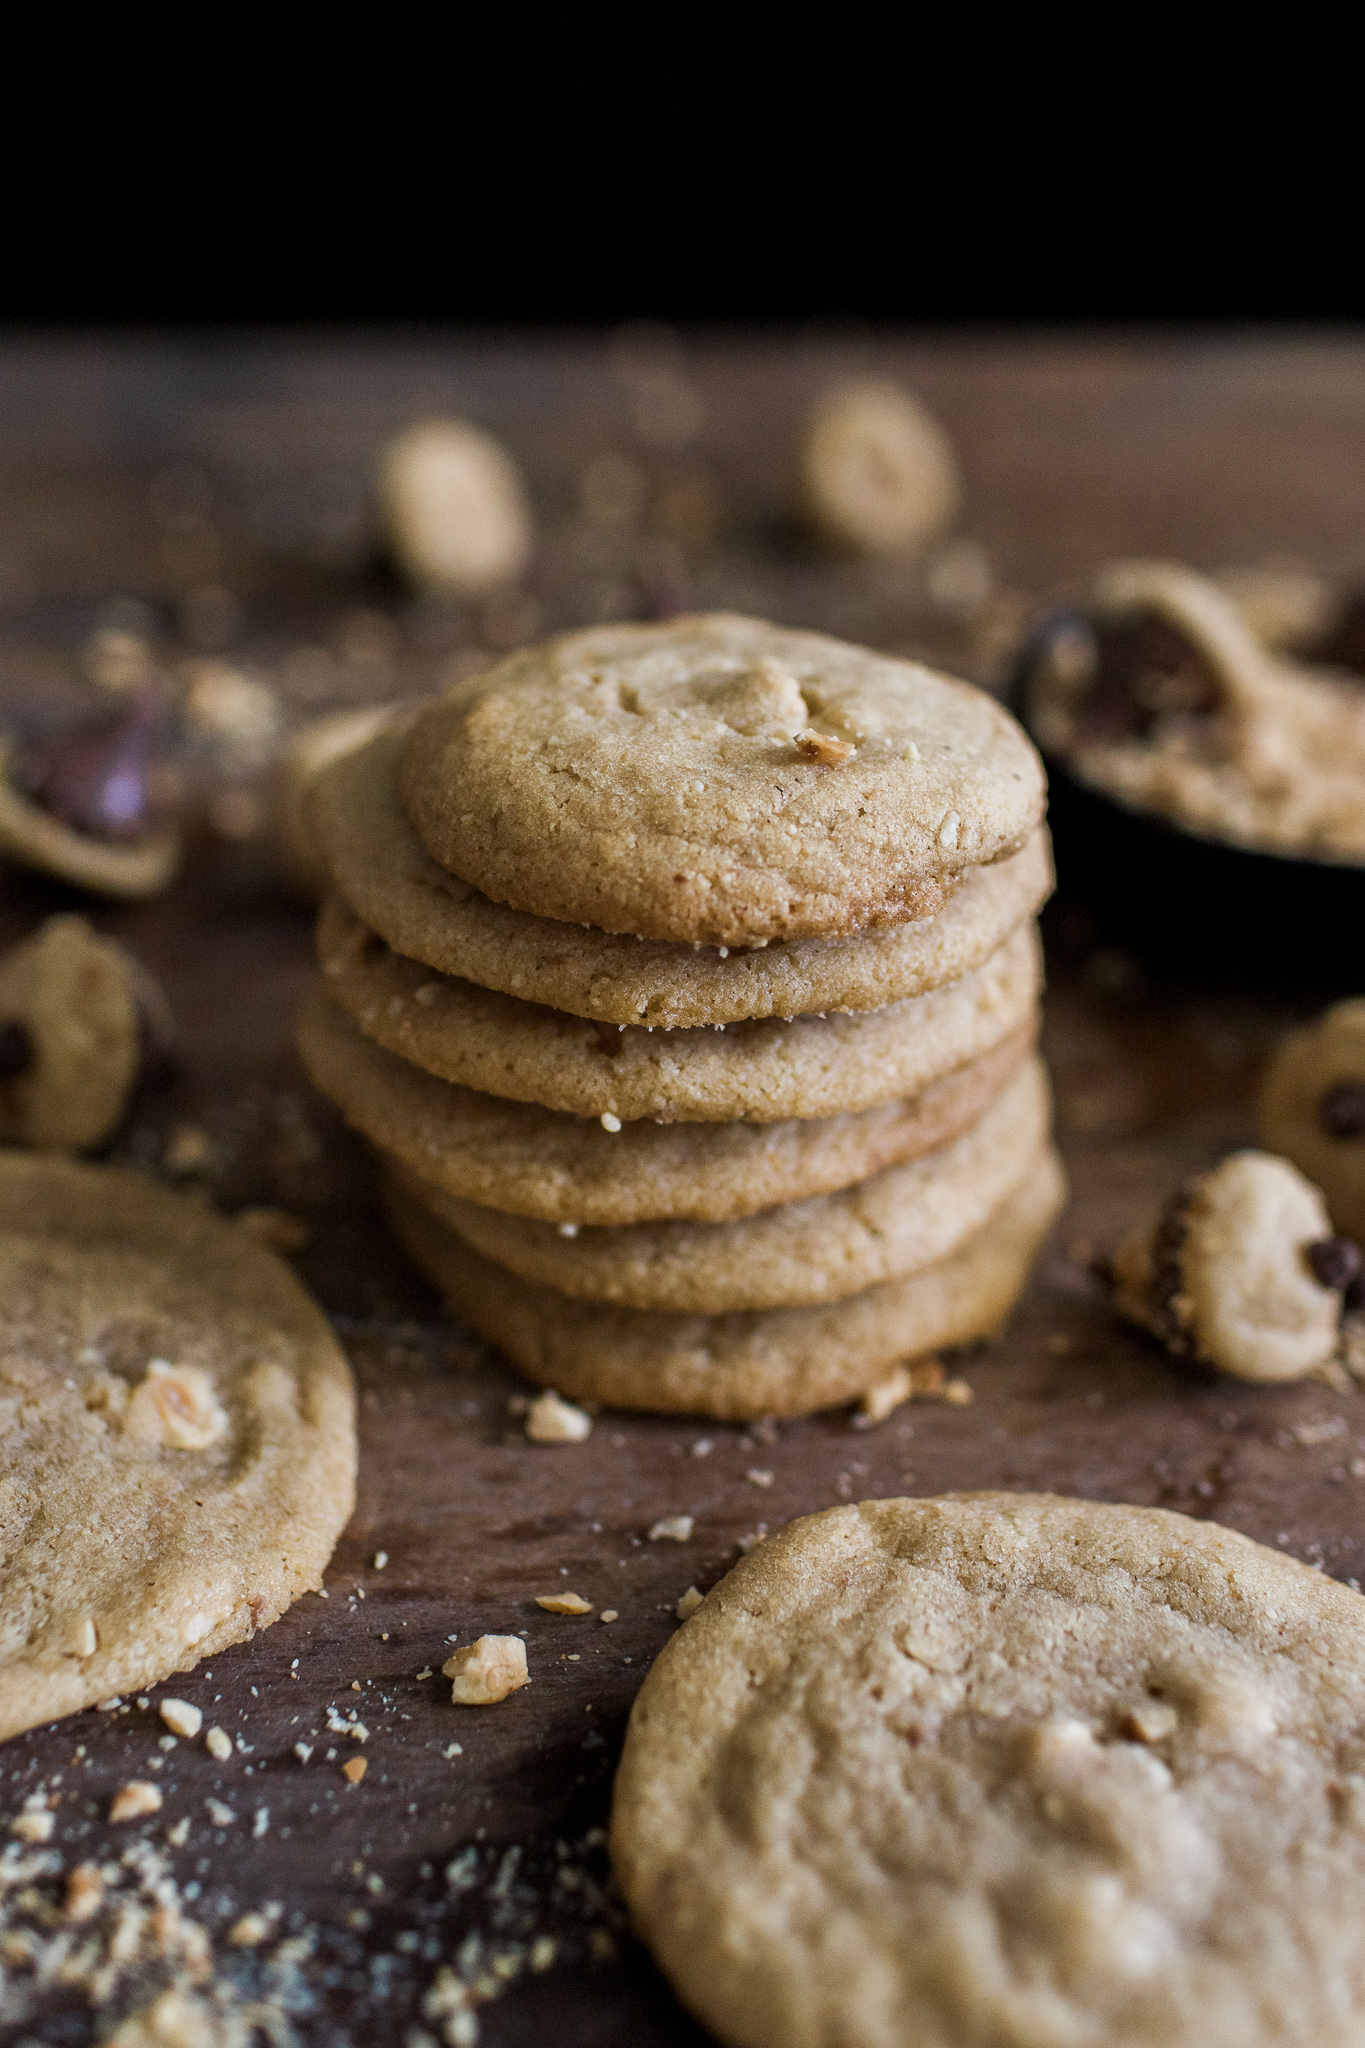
{"points": [[1343, 644], [1336, 1262], [97, 779], [1145, 670], [17, 1050], [1341, 1111], [1167, 1283]]}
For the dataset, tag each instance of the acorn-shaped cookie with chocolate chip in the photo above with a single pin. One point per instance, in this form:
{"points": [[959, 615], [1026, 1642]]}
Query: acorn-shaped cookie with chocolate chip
{"points": [[1242, 1271], [81, 1024], [83, 804]]}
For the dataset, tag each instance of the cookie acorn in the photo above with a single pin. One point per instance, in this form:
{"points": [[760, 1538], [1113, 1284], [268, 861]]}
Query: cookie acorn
{"points": [[1242, 1271]]}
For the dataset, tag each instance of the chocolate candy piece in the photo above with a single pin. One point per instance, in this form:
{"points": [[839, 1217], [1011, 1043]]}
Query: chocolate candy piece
{"points": [[1336, 1262], [17, 1050], [1145, 669], [97, 779], [1341, 1112]]}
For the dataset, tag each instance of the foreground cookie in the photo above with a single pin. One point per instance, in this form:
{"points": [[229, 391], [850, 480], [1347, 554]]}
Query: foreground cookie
{"points": [[1011, 1770], [564, 1169], [387, 877], [717, 780], [177, 1455], [1312, 1108], [1241, 1271], [780, 1361]]}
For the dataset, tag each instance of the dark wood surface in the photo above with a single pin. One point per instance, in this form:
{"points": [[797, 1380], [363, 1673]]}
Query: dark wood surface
{"points": [[151, 470]]}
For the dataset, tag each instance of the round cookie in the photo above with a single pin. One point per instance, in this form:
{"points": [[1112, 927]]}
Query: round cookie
{"points": [[309, 752], [759, 1071], [804, 1252], [1007, 1769], [177, 1436], [385, 874], [717, 780], [781, 1361], [1312, 1108], [535, 1162]]}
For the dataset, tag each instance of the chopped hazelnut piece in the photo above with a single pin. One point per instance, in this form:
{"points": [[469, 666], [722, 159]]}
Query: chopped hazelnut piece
{"points": [[175, 1406], [1152, 1722], [84, 1892], [219, 1744], [609, 1614], [487, 1671], [180, 1717], [220, 1814], [672, 1529], [563, 1603], [134, 1799], [549, 1420], [690, 1602], [823, 748], [354, 1769], [884, 1398]]}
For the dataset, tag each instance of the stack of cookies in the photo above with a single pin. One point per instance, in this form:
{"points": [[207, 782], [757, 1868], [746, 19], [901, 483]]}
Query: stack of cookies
{"points": [[685, 977]]}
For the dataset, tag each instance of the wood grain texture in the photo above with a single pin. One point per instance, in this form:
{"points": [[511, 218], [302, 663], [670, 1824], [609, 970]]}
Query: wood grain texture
{"points": [[150, 469]]}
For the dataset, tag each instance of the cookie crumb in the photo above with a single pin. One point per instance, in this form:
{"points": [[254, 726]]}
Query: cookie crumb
{"points": [[673, 1529], [218, 1744], [180, 1717], [175, 1407], [84, 1892], [1152, 1722], [487, 1671], [354, 1769], [609, 1121], [549, 1420], [303, 1750], [824, 748], [380, 1559], [179, 1834], [222, 1816], [757, 1477], [36, 1824], [689, 1603], [563, 1603], [133, 1800], [250, 1931], [609, 1614]]}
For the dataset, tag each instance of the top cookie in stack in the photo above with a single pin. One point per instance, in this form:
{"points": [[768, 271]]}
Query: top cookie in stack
{"points": [[726, 1053]]}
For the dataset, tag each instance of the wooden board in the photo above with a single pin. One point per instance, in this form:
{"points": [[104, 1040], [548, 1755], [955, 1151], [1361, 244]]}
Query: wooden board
{"points": [[154, 470]]}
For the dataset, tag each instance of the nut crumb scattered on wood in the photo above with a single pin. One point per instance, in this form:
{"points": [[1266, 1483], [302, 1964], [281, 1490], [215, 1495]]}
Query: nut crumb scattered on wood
{"points": [[354, 1769], [249, 1931], [84, 1892], [549, 1420], [36, 1825], [690, 1602], [180, 1717], [219, 1744], [609, 1614], [884, 1398], [563, 1603], [673, 1529], [487, 1671], [135, 1799]]}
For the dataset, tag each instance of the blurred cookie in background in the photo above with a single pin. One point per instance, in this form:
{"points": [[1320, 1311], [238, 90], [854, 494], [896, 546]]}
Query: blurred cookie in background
{"points": [[91, 804], [1312, 1108], [877, 473], [309, 750], [456, 509]]}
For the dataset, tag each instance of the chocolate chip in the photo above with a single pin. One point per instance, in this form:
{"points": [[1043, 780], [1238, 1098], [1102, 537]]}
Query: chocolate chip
{"points": [[1341, 1111], [1145, 669], [17, 1050], [1343, 644], [1167, 1284], [97, 779], [1336, 1261]]}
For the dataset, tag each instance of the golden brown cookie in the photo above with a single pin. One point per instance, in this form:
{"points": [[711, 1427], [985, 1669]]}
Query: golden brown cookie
{"points": [[738, 1367], [758, 1071], [717, 780], [543, 1163], [885, 1228], [177, 1455], [382, 870], [1312, 1108]]}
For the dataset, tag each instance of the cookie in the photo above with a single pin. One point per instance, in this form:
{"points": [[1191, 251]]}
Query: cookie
{"points": [[1232, 1271], [681, 782], [542, 1163], [878, 474], [178, 1450], [455, 507], [57, 837], [785, 1361], [881, 1229], [758, 1071], [384, 873], [1006, 1768], [80, 1022], [1312, 1108]]}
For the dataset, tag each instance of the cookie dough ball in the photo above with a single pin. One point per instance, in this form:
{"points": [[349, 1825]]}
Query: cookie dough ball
{"points": [[878, 472], [81, 1021], [1242, 1271], [456, 507], [1312, 1108], [311, 749]]}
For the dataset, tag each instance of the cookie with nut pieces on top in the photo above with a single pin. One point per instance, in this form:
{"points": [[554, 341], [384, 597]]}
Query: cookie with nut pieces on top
{"points": [[717, 780], [1011, 1769], [177, 1436]]}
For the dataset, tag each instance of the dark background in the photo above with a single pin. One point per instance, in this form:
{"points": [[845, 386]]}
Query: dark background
{"points": [[595, 163]]}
